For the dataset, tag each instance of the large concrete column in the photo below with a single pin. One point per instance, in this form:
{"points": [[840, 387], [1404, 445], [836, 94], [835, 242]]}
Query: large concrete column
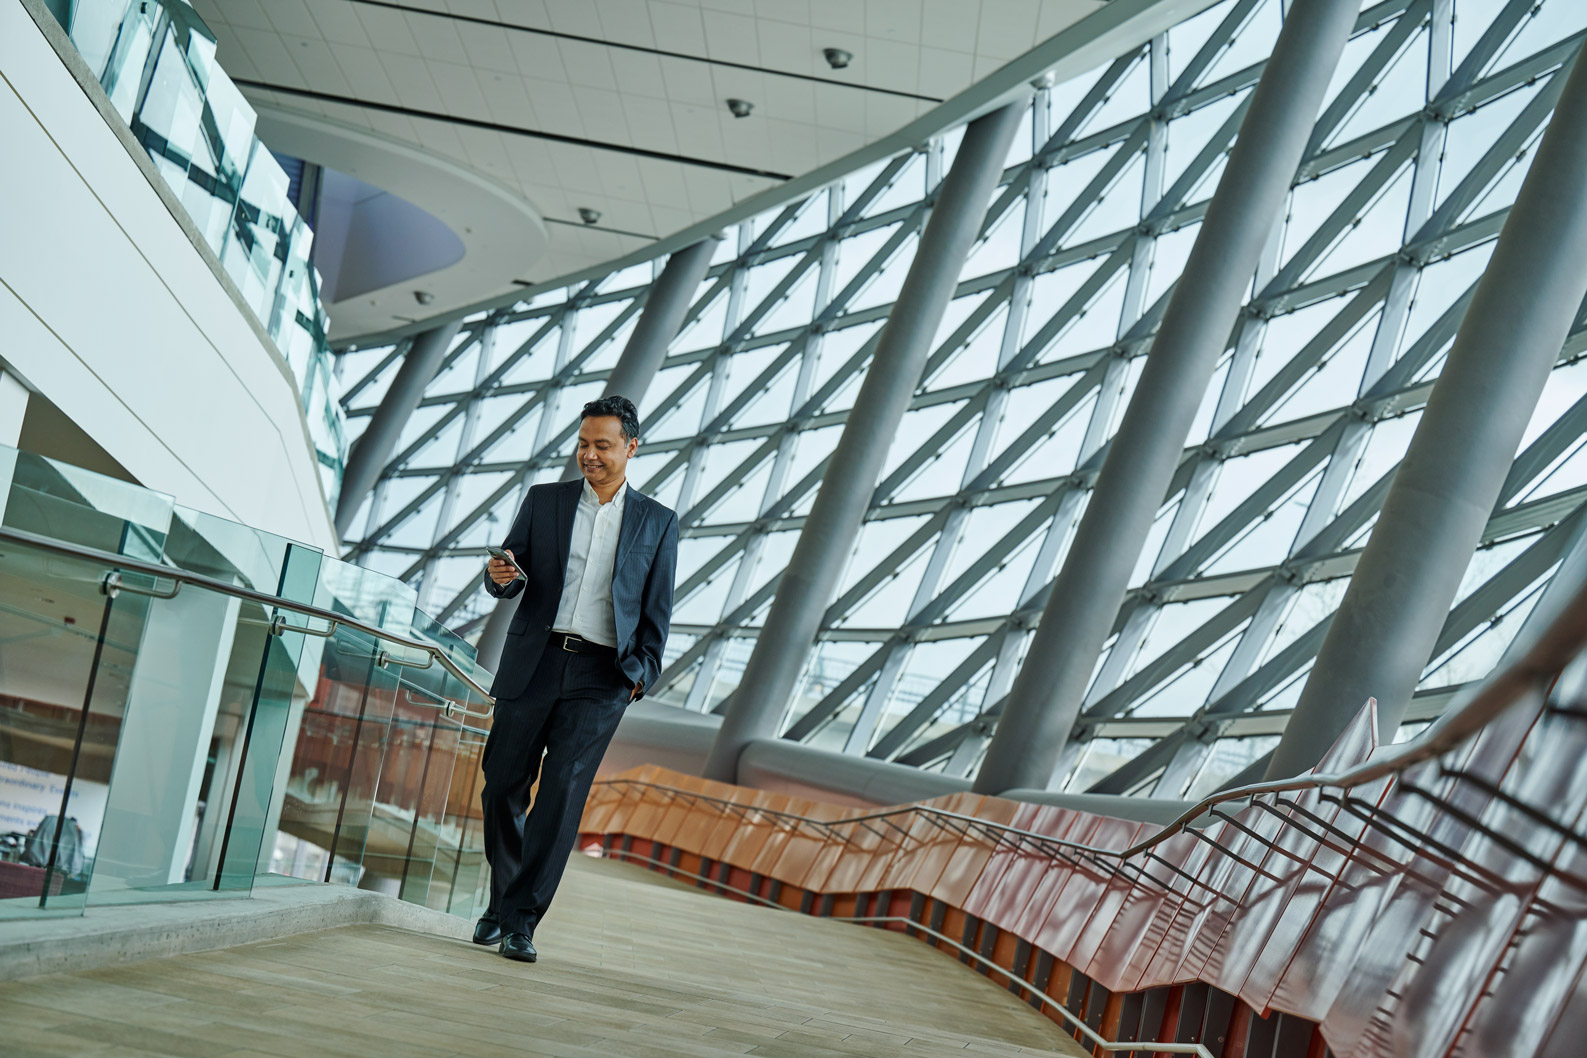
{"points": [[1048, 692], [374, 446], [1444, 492], [807, 585], [669, 300]]}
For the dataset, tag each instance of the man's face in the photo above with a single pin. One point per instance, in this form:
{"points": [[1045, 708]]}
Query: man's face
{"points": [[603, 454]]}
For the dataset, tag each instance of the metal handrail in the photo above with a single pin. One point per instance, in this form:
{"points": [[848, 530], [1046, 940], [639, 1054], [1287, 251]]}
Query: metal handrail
{"points": [[113, 583], [1528, 681], [1528, 678]]}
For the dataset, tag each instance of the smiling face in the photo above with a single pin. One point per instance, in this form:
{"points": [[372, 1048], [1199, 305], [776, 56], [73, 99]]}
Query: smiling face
{"points": [[603, 452]]}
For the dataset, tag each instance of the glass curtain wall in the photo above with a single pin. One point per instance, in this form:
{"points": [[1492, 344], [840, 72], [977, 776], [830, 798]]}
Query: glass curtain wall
{"points": [[1421, 146]]}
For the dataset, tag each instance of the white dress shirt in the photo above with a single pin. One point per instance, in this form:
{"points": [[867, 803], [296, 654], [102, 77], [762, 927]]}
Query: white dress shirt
{"points": [[586, 605]]}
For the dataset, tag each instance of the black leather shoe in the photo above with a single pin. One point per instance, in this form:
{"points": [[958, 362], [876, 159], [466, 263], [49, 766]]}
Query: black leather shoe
{"points": [[519, 946], [488, 931]]}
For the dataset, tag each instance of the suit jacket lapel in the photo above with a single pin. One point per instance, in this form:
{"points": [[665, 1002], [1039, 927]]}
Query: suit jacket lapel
{"points": [[635, 508], [567, 507]]}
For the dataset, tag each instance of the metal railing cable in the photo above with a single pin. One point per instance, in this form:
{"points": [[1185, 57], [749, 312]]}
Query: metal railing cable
{"points": [[114, 582]]}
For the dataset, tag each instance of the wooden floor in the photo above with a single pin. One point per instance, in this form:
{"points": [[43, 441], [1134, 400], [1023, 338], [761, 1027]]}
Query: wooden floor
{"points": [[631, 965]]}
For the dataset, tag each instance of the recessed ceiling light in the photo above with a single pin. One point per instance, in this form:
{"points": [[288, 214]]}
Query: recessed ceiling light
{"points": [[423, 297], [589, 216], [740, 107], [837, 58]]}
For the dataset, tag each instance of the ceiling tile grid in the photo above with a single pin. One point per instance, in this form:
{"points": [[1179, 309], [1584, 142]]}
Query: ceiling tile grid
{"points": [[624, 77]]}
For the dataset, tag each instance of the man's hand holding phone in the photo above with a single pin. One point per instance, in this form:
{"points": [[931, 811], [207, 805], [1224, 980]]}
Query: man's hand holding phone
{"points": [[502, 568]]}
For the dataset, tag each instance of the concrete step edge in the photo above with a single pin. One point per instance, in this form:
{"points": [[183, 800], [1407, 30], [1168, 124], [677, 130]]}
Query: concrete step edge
{"points": [[109, 936]]}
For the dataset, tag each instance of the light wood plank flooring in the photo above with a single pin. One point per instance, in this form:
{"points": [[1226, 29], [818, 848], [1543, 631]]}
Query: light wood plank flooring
{"points": [[631, 964]]}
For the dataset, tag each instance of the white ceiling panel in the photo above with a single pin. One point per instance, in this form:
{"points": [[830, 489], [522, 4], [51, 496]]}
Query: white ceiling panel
{"points": [[317, 63], [948, 24], [292, 18], [620, 105], [269, 55], [387, 29], [626, 22]]}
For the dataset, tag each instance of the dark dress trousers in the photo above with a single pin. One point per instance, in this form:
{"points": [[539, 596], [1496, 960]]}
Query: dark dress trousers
{"points": [[561, 704]]}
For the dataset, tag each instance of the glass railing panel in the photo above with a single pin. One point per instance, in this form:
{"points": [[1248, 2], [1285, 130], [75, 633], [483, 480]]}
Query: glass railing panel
{"points": [[451, 795], [288, 676], [372, 798], [71, 666], [412, 789], [429, 629], [329, 817], [169, 123], [327, 428], [116, 38], [463, 858], [195, 714], [67, 653], [201, 738], [103, 23], [71, 504], [345, 828], [223, 549], [371, 597], [461, 881], [184, 714]]}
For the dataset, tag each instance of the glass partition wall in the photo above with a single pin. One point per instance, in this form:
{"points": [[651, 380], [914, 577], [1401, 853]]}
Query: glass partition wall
{"points": [[166, 739], [1420, 148]]}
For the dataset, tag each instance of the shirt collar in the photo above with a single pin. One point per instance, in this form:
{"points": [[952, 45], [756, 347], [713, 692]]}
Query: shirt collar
{"points": [[617, 498]]}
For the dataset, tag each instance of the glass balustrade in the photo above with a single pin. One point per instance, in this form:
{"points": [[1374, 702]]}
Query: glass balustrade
{"points": [[155, 59], [176, 737]]}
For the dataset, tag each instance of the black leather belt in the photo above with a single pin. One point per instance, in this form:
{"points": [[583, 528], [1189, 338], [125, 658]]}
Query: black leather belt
{"points": [[579, 645]]}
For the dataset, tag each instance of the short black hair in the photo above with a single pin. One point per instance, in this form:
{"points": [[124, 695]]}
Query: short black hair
{"points": [[620, 407]]}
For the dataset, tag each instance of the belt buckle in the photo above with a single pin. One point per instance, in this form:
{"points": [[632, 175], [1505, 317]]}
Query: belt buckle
{"points": [[565, 641]]}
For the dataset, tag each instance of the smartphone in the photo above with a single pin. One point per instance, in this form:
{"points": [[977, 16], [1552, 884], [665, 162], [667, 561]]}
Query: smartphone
{"points": [[497, 552]]}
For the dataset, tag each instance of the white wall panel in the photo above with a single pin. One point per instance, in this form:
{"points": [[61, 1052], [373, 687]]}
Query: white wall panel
{"points": [[109, 310]]}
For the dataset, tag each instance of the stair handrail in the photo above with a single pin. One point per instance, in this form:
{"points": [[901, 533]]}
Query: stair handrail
{"points": [[1528, 677]]}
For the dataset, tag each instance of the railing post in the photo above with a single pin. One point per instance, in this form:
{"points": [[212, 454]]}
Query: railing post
{"points": [[1443, 494], [1048, 692]]}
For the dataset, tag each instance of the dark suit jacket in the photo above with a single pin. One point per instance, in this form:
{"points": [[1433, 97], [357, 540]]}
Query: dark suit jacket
{"points": [[647, 558]]}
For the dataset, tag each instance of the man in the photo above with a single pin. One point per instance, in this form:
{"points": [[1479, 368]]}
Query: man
{"points": [[594, 561]]}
